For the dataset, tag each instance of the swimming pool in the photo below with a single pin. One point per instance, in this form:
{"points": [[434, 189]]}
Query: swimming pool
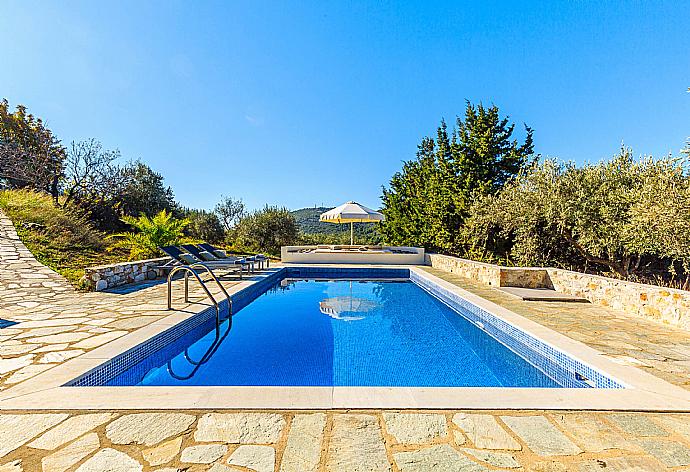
{"points": [[326, 327]]}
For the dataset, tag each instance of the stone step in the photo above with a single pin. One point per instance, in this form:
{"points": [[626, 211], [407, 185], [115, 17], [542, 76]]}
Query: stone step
{"points": [[542, 295]]}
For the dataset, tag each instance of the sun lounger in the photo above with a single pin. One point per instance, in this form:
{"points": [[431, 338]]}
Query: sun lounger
{"points": [[184, 258], [260, 258], [208, 256]]}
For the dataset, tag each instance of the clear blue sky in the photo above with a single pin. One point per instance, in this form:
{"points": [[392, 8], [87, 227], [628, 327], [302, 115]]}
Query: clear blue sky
{"points": [[317, 103]]}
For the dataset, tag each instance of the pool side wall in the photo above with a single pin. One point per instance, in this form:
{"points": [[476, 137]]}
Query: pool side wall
{"points": [[558, 365], [294, 255]]}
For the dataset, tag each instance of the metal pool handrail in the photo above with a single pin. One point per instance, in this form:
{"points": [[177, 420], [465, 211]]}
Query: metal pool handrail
{"points": [[218, 339], [213, 276], [190, 269]]}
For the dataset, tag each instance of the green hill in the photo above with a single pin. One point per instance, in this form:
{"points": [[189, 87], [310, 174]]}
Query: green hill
{"points": [[330, 233], [308, 221]]}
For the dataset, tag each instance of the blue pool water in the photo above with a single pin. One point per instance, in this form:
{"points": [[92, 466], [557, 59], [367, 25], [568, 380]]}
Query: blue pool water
{"points": [[340, 333]]}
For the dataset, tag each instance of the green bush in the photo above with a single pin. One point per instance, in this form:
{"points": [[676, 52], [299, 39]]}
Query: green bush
{"points": [[266, 231], [204, 226], [151, 234]]}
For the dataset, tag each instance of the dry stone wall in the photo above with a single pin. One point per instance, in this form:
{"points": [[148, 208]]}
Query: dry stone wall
{"points": [[486, 273], [663, 304], [108, 276]]}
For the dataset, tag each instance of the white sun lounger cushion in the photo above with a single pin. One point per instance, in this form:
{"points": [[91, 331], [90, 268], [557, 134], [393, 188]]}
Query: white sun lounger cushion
{"points": [[188, 258], [207, 256]]}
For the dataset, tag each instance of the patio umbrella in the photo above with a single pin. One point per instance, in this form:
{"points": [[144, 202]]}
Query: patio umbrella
{"points": [[351, 212]]}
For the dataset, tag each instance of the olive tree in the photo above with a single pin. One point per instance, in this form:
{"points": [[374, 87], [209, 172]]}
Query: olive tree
{"points": [[266, 230], [229, 211], [616, 213], [203, 225]]}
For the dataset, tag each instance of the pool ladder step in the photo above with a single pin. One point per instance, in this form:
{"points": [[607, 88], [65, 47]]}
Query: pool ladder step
{"points": [[191, 270]]}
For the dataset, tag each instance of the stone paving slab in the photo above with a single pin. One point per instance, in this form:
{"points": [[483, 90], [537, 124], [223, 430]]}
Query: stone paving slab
{"points": [[339, 441]]}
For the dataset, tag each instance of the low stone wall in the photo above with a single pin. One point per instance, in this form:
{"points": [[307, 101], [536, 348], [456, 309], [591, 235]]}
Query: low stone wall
{"points": [[490, 274], [663, 304], [666, 305], [108, 276], [479, 271]]}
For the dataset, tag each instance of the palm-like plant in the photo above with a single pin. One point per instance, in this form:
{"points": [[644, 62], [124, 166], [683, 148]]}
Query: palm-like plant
{"points": [[161, 230]]}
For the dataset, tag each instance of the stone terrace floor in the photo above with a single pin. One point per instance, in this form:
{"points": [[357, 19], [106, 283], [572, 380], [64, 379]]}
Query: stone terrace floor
{"points": [[57, 324]]}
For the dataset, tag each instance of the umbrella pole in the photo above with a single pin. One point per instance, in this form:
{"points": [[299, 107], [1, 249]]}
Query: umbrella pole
{"points": [[352, 234]]}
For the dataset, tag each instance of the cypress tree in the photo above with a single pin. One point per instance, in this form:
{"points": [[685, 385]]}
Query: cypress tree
{"points": [[427, 202]]}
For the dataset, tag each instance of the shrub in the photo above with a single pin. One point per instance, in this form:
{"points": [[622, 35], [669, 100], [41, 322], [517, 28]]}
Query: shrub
{"points": [[621, 215], [68, 227], [151, 234], [266, 230]]}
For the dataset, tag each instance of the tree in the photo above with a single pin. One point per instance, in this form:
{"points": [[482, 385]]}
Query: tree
{"points": [[163, 229], [620, 214], [229, 211], [143, 191], [95, 182], [266, 230], [427, 202], [483, 154], [30, 155], [90, 172], [204, 225]]}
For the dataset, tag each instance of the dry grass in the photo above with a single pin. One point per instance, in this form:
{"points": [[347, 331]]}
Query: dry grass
{"points": [[60, 238]]}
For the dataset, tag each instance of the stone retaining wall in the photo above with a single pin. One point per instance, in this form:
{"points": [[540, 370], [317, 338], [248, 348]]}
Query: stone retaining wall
{"points": [[108, 276], [490, 274], [663, 304]]}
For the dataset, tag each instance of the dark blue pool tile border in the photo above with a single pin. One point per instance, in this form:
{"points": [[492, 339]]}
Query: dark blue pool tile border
{"points": [[558, 365], [104, 373]]}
